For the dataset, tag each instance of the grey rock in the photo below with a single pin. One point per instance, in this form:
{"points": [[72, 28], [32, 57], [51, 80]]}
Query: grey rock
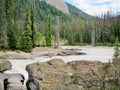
{"points": [[14, 82], [59, 4], [34, 84], [1, 81], [70, 52]]}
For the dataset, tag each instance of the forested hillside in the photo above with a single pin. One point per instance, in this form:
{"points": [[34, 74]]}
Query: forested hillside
{"points": [[25, 24]]}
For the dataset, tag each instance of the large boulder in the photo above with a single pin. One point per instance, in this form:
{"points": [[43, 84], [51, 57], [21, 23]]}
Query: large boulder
{"points": [[11, 82], [95, 75], [52, 75], [5, 65], [60, 66], [14, 82], [86, 68]]}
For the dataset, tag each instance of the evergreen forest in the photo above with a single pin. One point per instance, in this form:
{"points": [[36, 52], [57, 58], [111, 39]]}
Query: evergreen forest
{"points": [[25, 24]]}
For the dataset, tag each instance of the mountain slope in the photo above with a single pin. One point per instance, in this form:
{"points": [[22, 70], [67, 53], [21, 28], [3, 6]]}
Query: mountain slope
{"points": [[76, 12], [43, 10]]}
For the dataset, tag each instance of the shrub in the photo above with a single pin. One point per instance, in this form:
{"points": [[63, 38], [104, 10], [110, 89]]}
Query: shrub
{"points": [[117, 48]]}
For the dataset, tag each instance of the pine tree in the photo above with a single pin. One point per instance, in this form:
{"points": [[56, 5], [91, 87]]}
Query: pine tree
{"points": [[1, 22], [3, 26], [48, 33], [33, 36], [9, 8], [70, 35], [26, 38]]}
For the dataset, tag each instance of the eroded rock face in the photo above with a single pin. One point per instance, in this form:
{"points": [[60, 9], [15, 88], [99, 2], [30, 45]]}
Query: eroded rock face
{"points": [[1, 81], [13, 82], [59, 4], [77, 75], [5, 65]]}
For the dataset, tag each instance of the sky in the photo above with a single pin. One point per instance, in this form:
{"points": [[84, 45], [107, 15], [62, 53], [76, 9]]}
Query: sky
{"points": [[96, 7]]}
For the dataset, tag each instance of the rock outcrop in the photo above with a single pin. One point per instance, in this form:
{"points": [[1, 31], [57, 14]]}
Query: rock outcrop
{"points": [[13, 82], [10, 81], [1, 81], [96, 75], [59, 4], [52, 75], [78, 75], [5, 65]]}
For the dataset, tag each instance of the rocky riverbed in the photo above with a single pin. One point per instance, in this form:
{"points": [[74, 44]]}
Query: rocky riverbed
{"points": [[55, 74], [76, 75], [66, 53]]}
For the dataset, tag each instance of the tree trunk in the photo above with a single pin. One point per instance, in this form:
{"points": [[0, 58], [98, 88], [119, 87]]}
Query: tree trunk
{"points": [[56, 36], [93, 34], [4, 35]]}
